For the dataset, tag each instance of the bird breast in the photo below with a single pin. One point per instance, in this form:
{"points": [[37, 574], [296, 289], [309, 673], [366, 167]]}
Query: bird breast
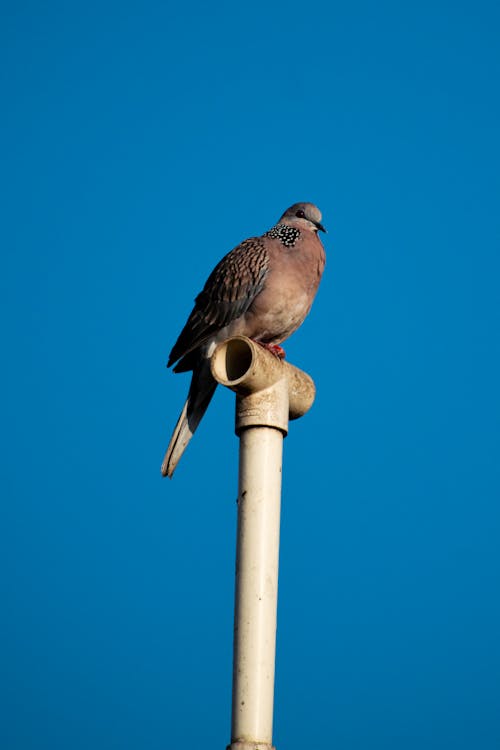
{"points": [[289, 291]]}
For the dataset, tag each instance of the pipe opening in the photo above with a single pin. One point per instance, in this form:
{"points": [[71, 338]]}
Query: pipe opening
{"points": [[238, 359]]}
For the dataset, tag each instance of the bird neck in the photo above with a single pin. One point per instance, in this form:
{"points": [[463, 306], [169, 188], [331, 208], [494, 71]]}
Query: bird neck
{"points": [[286, 234]]}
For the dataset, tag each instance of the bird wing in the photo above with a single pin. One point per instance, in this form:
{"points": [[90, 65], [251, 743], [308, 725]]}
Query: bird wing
{"points": [[228, 293]]}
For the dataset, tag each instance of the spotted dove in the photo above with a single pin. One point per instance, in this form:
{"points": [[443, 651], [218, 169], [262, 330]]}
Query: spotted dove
{"points": [[262, 289]]}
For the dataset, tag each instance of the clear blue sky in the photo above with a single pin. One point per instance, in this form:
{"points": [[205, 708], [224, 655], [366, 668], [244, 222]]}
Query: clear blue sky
{"points": [[140, 143]]}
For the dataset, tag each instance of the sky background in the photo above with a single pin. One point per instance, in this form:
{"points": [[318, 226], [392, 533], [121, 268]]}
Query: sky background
{"points": [[140, 143]]}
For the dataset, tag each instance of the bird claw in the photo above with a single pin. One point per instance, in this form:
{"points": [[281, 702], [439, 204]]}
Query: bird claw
{"points": [[275, 349]]}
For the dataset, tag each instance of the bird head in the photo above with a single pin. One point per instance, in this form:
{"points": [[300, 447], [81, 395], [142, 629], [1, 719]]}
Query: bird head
{"points": [[304, 216]]}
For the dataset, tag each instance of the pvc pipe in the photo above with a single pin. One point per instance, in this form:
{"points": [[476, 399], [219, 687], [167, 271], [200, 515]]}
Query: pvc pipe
{"points": [[248, 369], [269, 392], [256, 596]]}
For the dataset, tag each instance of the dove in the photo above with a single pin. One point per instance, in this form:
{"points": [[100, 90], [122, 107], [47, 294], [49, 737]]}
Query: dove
{"points": [[262, 289]]}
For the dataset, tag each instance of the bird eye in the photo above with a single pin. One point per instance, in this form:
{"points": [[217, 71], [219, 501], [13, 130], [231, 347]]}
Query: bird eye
{"points": [[300, 214]]}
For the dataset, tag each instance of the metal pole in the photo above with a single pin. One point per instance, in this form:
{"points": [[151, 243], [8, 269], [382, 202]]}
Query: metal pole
{"points": [[269, 392]]}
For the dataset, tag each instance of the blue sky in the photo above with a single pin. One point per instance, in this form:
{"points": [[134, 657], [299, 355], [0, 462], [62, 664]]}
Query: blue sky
{"points": [[141, 142]]}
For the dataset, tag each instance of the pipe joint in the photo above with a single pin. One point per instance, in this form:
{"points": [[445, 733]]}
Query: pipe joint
{"points": [[270, 391], [248, 745]]}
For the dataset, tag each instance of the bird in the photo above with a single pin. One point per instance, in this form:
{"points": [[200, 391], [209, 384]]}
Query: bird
{"points": [[262, 289]]}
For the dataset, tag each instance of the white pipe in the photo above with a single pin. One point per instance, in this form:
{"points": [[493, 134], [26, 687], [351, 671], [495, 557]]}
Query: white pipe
{"points": [[256, 596], [269, 392]]}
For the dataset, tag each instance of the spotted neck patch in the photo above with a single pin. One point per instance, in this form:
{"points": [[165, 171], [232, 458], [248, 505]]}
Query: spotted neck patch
{"points": [[287, 235]]}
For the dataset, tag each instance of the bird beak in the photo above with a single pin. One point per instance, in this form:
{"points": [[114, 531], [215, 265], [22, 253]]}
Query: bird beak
{"points": [[320, 227]]}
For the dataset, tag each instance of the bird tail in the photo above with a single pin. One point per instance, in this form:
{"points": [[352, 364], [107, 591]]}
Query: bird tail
{"points": [[200, 394]]}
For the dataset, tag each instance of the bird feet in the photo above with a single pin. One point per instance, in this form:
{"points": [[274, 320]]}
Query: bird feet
{"points": [[275, 349]]}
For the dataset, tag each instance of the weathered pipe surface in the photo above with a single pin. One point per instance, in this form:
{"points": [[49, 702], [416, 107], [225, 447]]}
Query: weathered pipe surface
{"points": [[271, 390]]}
